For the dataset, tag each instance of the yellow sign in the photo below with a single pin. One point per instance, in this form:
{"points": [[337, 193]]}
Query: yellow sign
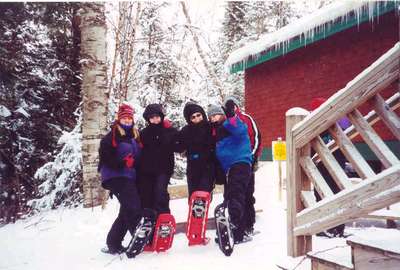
{"points": [[279, 150]]}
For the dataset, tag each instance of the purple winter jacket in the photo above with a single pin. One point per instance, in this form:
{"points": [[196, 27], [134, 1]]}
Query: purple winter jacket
{"points": [[112, 163]]}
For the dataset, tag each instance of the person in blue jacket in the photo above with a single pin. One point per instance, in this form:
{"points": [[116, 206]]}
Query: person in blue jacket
{"points": [[118, 153], [233, 151]]}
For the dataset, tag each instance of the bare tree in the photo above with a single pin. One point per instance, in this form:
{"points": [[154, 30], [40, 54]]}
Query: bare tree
{"points": [[94, 88], [213, 75]]}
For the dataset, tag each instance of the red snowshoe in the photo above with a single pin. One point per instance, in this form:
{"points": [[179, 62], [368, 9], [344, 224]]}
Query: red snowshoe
{"points": [[197, 218], [163, 233]]}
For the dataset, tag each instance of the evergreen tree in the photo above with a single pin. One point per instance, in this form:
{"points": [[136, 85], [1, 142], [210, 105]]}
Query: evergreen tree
{"points": [[32, 88]]}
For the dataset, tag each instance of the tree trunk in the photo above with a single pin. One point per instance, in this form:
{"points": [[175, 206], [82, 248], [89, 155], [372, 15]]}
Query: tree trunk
{"points": [[94, 88]]}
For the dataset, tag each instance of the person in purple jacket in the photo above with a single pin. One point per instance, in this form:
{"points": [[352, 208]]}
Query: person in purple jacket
{"points": [[119, 150]]}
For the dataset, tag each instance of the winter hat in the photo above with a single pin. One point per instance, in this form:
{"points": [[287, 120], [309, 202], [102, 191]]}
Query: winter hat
{"points": [[125, 110], [153, 109], [235, 100], [214, 110], [316, 102], [190, 109]]}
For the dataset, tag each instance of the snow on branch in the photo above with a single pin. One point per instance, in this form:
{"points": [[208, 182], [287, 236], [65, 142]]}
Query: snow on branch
{"points": [[61, 178]]}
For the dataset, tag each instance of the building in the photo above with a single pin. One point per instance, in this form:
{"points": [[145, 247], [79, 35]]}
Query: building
{"points": [[314, 57]]}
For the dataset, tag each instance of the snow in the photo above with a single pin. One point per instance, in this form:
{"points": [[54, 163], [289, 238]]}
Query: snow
{"points": [[338, 254], [72, 238], [305, 27], [58, 177], [4, 111], [297, 111], [23, 112], [382, 239]]}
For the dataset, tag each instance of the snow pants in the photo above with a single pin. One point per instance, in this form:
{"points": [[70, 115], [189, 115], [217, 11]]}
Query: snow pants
{"points": [[199, 178], [129, 212], [153, 189], [250, 211], [238, 184]]}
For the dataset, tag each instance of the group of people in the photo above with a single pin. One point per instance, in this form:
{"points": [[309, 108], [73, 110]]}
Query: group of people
{"points": [[221, 147]]}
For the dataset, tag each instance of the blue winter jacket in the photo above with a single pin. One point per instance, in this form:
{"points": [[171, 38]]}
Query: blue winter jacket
{"points": [[235, 147]]}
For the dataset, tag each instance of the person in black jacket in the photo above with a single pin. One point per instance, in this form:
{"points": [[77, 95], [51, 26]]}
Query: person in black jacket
{"points": [[196, 140], [118, 153], [156, 164]]}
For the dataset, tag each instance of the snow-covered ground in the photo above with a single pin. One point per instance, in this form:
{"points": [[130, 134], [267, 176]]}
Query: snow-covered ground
{"points": [[72, 238]]}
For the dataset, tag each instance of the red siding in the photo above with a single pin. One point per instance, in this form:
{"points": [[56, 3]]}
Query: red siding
{"points": [[318, 70]]}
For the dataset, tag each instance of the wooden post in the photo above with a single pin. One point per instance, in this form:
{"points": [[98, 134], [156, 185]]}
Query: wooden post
{"points": [[296, 181], [280, 179]]}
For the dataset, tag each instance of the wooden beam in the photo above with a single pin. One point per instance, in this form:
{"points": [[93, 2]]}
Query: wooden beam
{"points": [[388, 116], [300, 245], [372, 118], [372, 194], [308, 198], [315, 176], [331, 163], [384, 214], [378, 76], [376, 144], [350, 152]]}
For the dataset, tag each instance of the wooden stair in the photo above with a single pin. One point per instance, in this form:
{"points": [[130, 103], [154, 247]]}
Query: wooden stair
{"points": [[377, 251], [338, 258]]}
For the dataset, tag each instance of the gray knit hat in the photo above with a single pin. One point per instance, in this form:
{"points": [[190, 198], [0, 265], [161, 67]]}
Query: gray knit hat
{"points": [[235, 100], [214, 110]]}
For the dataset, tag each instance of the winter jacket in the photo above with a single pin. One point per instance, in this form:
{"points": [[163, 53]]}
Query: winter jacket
{"points": [[233, 143], [158, 149], [196, 139], [114, 148], [254, 133]]}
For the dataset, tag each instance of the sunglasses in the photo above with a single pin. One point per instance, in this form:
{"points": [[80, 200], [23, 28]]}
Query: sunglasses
{"points": [[196, 115]]}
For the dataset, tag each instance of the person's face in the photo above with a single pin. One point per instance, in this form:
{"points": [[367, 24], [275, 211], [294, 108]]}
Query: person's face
{"points": [[217, 118], [126, 121], [196, 118], [155, 119]]}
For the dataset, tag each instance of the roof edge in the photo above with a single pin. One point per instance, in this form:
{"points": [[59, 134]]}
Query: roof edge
{"points": [[298, 42]]}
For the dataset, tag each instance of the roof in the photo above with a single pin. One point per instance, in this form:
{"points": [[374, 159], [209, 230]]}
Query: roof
{"points": [[321, 24]]}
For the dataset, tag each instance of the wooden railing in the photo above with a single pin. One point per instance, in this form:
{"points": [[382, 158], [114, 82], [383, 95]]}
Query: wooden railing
{"points": [[305, 216]]}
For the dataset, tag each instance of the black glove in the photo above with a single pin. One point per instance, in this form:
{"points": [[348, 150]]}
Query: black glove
{"points": [[229, 109]]}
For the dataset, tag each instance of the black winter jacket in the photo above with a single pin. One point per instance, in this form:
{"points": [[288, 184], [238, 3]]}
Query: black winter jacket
{"points": [[158, 149]]}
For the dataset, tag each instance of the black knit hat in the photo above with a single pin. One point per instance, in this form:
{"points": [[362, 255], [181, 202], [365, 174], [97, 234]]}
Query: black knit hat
{"points": [[191, 108], [153, 109]]}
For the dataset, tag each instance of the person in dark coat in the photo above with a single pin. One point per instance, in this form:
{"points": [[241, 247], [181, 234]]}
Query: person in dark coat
{"points": [[156, 165], [118, 153], [233, 151], [195, 139]]}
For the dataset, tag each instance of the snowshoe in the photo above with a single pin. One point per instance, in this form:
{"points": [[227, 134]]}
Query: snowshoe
{"points": [[142, 234], [197, 218], [224, 231]]}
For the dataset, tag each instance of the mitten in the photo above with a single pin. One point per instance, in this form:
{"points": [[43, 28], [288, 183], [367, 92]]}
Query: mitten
{"points": [[129, 161]]}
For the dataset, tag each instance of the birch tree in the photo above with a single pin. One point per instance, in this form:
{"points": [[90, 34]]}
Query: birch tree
{"points": [[94, 87]]}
